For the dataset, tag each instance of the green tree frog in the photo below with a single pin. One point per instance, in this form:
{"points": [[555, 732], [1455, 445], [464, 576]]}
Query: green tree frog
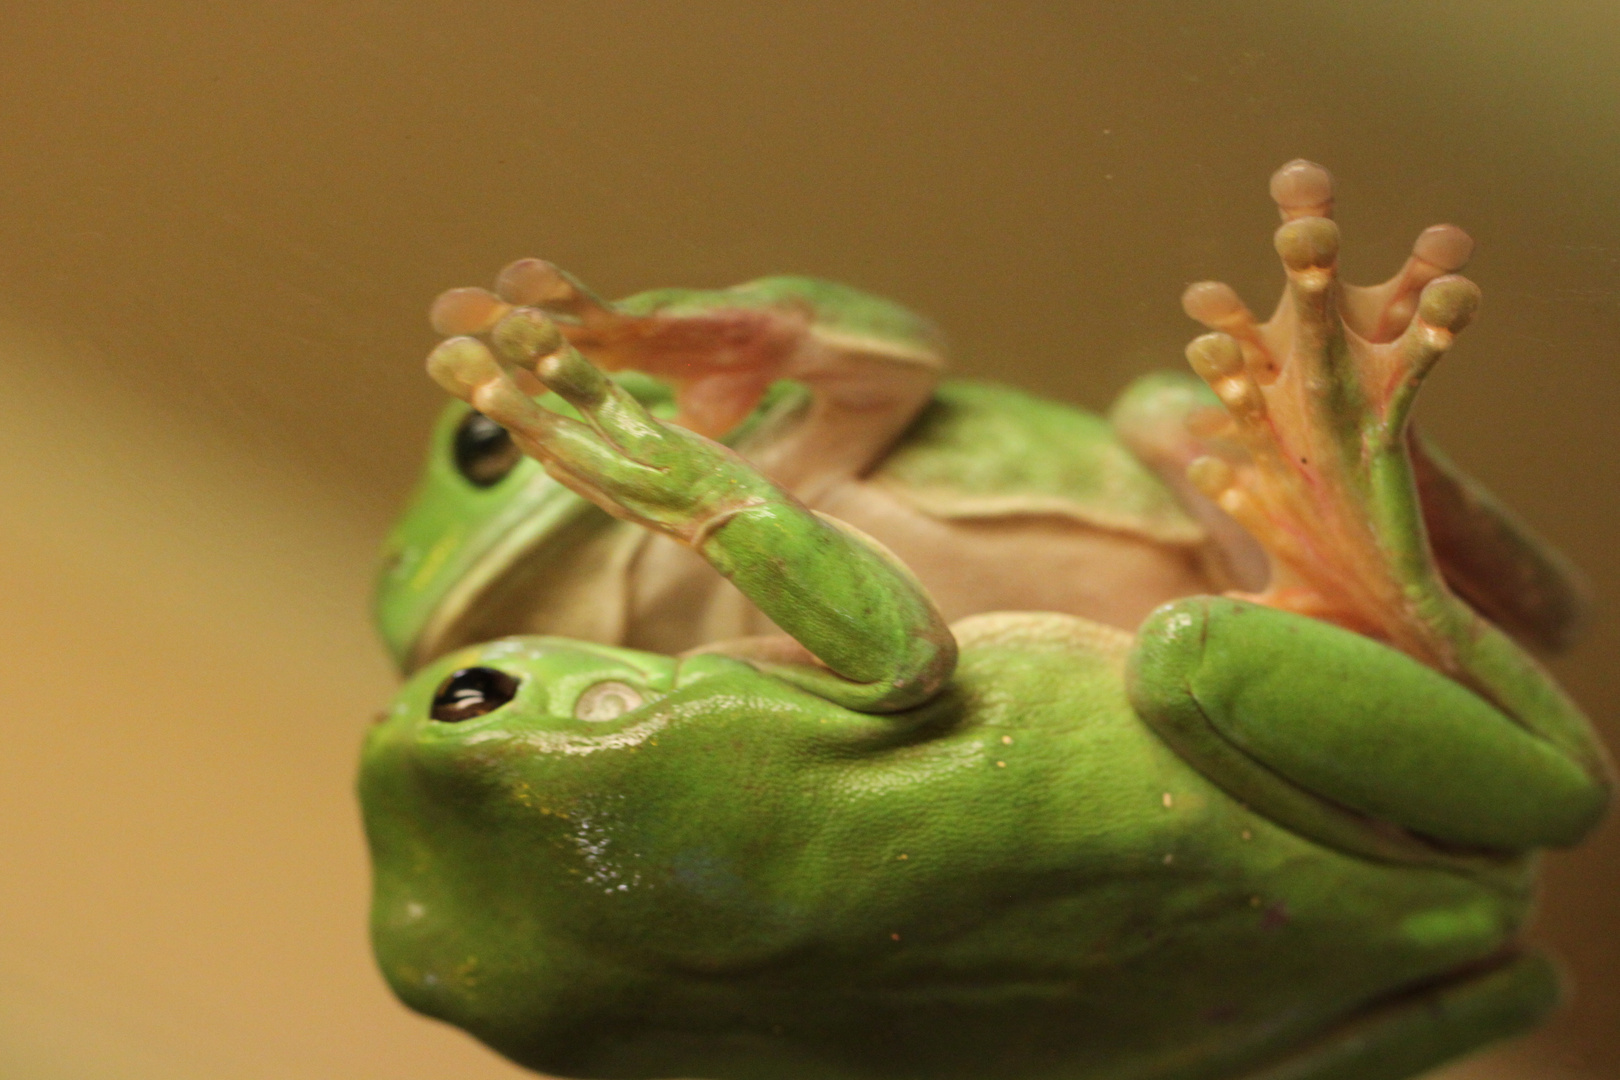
{"points": [[819, 785]]}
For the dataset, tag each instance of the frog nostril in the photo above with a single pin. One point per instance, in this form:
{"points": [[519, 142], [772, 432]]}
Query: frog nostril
{"points": [[607, 701], [472, 692], [484, 452]]}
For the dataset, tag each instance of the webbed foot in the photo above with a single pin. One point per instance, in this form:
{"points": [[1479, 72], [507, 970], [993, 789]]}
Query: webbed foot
{"points": [[869, 365], [720, 358], [1311, 456]]}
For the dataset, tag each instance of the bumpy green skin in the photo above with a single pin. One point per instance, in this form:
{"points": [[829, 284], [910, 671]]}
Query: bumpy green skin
{"points": [[1241, 844]]}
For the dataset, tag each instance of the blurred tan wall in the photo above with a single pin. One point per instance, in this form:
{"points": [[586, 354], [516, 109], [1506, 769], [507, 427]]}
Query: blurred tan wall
{"points": [[220, 225]]}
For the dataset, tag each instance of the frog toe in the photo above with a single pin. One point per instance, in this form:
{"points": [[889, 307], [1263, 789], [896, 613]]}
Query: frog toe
{"points": [[1380, 312], [538, 283], [1302, 189], [524, 335], [465, 311]]}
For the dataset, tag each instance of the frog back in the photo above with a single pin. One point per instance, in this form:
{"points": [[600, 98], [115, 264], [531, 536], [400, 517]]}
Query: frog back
{"points": [[982, 450]]}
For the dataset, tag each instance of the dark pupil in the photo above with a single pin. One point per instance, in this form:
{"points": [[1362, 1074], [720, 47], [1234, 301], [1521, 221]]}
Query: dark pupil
{"points": [[472, 692], [484, 451]]}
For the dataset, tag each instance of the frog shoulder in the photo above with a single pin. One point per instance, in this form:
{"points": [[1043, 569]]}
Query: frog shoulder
{"points": [[983, 450]]}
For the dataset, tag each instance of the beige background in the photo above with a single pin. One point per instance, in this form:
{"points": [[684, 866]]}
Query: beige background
{"points": [[220, 225]]}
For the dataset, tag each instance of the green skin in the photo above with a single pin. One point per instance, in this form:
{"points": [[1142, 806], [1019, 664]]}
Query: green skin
{"points": [[1241, 843]]}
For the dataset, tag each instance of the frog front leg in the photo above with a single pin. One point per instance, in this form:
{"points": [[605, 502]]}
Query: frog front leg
{"points": [[869, 365], [1468, 741], [851, 605]]}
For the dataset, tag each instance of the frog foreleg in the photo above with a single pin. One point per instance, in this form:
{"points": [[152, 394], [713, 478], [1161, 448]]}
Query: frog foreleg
{"points": [[837, 593]]}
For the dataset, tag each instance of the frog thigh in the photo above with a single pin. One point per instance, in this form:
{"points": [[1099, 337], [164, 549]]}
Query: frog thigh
{"points": [[1293, 707], [1418, 1032]]}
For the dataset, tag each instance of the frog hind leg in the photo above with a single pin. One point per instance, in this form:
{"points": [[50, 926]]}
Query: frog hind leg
{"points": [[1484, 551], [1488, 555], [1423, 1030], [1327, 731], [1314, 461]]}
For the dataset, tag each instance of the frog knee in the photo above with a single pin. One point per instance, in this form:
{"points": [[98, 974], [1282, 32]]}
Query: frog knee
{"points": [[1169, 650]]}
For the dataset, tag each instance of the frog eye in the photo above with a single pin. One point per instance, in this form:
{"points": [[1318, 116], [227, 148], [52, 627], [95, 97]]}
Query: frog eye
{"points": [[484, 452], [472, 692], [607, 701]]}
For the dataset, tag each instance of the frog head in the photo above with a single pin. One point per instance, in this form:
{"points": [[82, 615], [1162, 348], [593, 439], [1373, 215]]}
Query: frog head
{"points": [[479, 511], [479, 505], [738, 365], [556, 825]]}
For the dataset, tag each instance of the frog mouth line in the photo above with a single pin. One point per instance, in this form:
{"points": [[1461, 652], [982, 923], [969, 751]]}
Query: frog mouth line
{"points": [[505, 545]]}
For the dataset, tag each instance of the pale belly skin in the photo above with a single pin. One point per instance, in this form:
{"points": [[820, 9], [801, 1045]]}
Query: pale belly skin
{"points": [[1111, 554], [672, 600]]}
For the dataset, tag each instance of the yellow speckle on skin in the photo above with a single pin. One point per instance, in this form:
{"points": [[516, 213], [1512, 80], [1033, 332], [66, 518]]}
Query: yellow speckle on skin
{"points": [[1168, 859], [1254, 901], [1001, 764], [1006, 740], [1247, 835], [435, 559], [902, 856], [1168, 799]]}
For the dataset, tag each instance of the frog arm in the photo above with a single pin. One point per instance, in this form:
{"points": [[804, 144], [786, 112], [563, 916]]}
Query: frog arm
{"points": [[853, 606], [868, 365], [1276, 705]]}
